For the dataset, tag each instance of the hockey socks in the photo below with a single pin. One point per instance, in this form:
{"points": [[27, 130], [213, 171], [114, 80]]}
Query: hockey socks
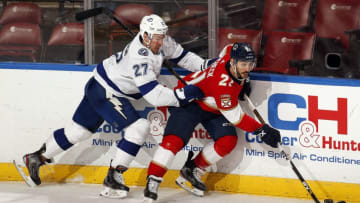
{"points": [[214, 151], [164, 155]]}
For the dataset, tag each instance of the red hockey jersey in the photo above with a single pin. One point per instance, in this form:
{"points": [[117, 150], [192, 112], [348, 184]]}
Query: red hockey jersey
{"points": [[221, 93]]}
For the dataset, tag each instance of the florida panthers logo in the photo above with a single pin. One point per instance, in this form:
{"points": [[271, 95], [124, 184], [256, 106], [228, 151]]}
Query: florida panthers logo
{"points": [[225, 100]]}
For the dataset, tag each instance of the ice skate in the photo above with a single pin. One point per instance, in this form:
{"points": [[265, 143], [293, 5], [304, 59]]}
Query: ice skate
{"points": [[151, 190], [190, 178], [33, 162], [114, 184]]}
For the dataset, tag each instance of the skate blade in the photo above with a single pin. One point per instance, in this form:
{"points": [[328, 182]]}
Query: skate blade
{"points": [[147, 200], [26, 178], [113, 194], [183, 183]]}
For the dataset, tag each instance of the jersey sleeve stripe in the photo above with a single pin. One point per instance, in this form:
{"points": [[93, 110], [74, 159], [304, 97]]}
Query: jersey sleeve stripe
{"points": [[248, 124], [176, 60], [146, 88], [100, 69]]}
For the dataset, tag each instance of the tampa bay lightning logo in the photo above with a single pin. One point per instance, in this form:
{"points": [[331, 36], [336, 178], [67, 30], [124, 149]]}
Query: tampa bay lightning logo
{"points": [[143, 52]]}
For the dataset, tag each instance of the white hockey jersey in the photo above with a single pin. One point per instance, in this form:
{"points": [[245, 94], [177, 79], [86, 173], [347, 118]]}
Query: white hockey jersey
{"points": [[133, 72]]}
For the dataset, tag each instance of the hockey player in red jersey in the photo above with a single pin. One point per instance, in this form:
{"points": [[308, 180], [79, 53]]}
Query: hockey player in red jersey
{"points": [[223, 83]]}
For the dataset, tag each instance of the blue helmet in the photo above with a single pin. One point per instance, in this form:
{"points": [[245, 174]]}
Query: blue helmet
{"points": [[243, 52]]}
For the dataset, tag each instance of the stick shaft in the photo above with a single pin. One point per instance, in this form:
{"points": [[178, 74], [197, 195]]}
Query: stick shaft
{"points": [[110, 13], [83, 15], [301, 178], [293, 167], [252, 106]]}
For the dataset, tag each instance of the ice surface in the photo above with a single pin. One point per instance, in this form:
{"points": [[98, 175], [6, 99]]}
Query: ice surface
{"points": [[15, 192]]}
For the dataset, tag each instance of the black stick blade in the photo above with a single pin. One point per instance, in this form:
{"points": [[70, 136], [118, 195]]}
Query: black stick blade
{"points": [[80, 16]]}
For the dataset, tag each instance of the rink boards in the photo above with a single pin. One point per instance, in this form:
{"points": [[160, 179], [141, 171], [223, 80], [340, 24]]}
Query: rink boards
{"points": [[318, 119]]}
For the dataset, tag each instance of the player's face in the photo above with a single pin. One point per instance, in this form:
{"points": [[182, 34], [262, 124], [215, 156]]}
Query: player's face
{"points": [[244, 67], [156, 43]]}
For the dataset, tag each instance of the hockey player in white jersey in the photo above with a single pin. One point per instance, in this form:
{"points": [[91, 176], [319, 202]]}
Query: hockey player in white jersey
{"points": [[129, 74]]}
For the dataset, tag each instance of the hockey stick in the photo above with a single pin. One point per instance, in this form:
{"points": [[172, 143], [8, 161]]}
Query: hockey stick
{"points": [[83, 15], [288, 157], [102, 10]]}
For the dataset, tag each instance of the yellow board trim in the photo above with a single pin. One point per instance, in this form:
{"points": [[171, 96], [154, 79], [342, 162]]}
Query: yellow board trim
{"points": [[215, 181]]}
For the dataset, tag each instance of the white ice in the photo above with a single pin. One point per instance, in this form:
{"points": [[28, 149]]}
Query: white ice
{"points": [[16, 192]]}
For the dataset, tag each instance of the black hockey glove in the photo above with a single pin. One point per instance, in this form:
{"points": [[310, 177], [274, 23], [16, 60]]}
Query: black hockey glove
{"points": [[246, 89], [269, 135], [188, 94]]}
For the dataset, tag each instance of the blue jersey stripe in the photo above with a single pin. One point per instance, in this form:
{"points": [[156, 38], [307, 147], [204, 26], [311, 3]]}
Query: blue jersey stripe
{"points": [[176, 60], [100, 69], [210, 61], [129, 147], [146, 88], [61, 139]]}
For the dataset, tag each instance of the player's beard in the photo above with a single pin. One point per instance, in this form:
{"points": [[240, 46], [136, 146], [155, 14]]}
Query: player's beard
{"points": [[244, 74]]}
